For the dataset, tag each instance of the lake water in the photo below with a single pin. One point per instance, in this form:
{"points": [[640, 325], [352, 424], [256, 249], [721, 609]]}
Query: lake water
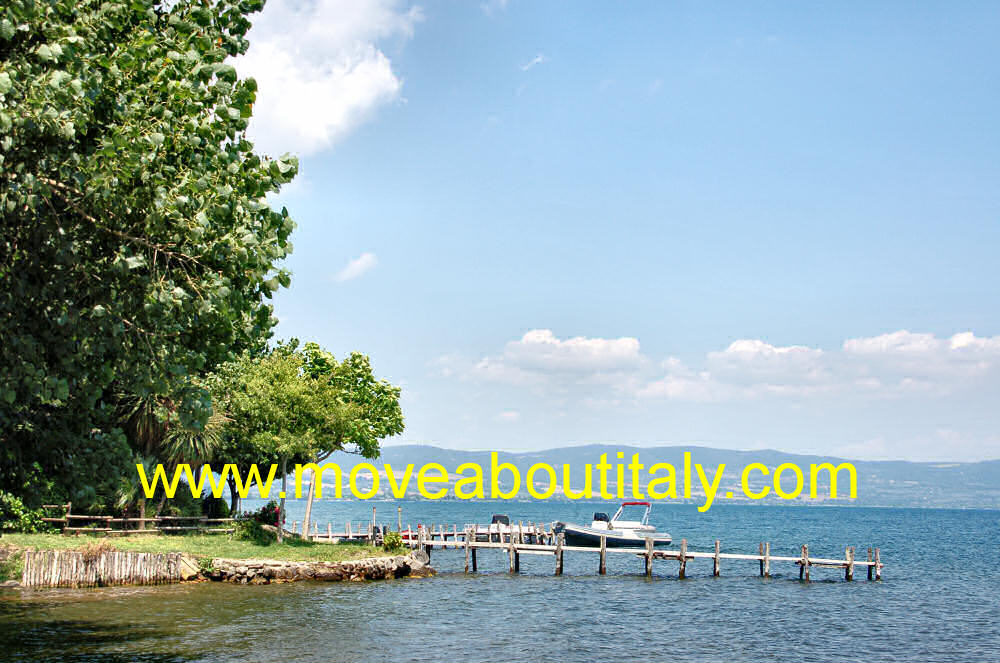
{"points": [[940, 599]]}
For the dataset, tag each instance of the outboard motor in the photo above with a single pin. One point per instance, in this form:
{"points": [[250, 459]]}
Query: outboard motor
{"points": [[499, 519]]}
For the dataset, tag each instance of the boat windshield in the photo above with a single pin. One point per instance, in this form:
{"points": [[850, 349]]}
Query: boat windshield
{"points": [[632, 512]]}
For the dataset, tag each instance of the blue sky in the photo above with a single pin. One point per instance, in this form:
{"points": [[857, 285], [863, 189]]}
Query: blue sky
{"points": [[731, 224]]}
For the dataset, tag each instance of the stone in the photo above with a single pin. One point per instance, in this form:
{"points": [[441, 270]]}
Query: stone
{"points": [[188, 568]]}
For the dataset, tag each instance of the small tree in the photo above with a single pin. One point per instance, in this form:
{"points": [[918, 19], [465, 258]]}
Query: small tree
{"points": [[372, 405], [276, 411]]}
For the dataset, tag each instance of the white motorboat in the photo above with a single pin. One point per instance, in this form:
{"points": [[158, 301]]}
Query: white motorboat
{"points": [[617, 531]]}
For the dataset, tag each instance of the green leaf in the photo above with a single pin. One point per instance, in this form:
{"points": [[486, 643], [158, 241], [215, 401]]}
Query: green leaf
{"points": [[5, 83]]}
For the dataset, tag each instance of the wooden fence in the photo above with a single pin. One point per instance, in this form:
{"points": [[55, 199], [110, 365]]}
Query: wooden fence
{"points": [[74, 568], [72, 523]]}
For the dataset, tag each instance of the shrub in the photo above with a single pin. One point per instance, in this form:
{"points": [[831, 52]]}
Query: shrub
{"points": [[94, 549], [392, 542], [249, 529], [214, 507], [15, 517], [266, 515]]}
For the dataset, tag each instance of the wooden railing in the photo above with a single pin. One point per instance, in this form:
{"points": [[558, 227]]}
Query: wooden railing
{"points": [[72, 523]]}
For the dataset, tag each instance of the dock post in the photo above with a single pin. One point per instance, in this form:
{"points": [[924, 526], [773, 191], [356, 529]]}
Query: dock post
{"points": [[760, 548], [315, 530], [767, 559], [510, 550], [399, 519], [869, 563], [603, 569], [428, 543], [348, 530], [467, 549], [295, 526], [329, 531], [715, 569], [559, 554], [849, 571], [682, 558], [878, 565], [804, 563], [371, 530], [649, 557], [475, 566]]}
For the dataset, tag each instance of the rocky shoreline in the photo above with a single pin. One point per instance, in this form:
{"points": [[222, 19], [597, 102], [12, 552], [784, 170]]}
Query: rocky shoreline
{"points": [[266, 571]]}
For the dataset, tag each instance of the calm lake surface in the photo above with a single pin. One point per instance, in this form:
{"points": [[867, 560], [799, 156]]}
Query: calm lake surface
{"points": [[940, 600]]}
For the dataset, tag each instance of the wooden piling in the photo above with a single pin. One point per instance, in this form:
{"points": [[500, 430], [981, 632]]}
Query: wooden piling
{"points": [[804, 563], [559, 553], [399, 519], [767, 559], [475, 567], [715, 565], [348, 530], [649, 557], [878, 565], [603, 569], [510, 549], [849, 571], [467, 549], [870, 570], [682, 558]]}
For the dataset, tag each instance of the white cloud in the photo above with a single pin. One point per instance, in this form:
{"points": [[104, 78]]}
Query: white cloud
{"points": [[897, 365], [319, 69], [357, 267], [540, 351], [508, 416], [537, 60], [893, 365]]}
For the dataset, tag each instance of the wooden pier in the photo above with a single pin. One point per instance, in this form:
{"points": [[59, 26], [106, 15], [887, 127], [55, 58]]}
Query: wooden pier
{"points": [[539, 539]]}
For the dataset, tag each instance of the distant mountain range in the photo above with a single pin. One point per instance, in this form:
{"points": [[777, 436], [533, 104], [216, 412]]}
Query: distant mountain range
{"points": [[880, 483]]}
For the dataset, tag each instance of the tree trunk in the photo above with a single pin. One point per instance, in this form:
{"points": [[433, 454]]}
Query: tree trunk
{"points": [[309, 504], [281, 509], [234, 497], [142, 513], [312, 493]]}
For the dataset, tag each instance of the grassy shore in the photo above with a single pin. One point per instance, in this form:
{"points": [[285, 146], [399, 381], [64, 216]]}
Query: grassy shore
{"points": [[202, 545]]}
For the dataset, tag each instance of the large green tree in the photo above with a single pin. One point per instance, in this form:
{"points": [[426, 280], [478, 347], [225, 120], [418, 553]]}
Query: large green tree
{"points": [[137, 247]]}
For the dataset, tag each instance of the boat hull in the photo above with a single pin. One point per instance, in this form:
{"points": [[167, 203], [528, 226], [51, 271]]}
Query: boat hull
{"points": [[578, 535]]}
